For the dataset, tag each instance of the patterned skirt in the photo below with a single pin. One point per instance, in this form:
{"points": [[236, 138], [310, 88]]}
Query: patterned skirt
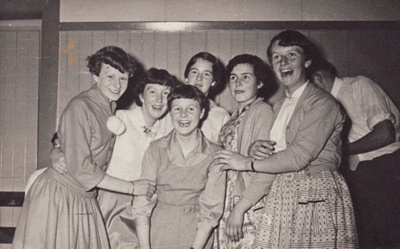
{"points": [[222, 241], [305, 210]]}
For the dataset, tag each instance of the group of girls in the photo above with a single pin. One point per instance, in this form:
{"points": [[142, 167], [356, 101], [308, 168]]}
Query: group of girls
{"points": [[183, 173]]}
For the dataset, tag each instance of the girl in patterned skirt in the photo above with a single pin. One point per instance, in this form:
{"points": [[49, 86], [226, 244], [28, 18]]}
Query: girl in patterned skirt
{"points": [[309, 204]]}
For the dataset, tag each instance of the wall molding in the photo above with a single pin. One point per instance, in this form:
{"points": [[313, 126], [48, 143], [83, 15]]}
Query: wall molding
{"points": [[254, 25]]}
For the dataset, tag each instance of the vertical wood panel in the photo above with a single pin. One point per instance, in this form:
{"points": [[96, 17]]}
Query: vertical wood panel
{"points": [[174, 65], [353, 52], [19, 77]]}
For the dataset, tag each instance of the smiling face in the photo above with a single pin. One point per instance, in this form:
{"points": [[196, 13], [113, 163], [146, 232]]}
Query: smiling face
{"points": [[154, 99], [289, 65], [243, 84], [186, 115], [111, 82], [201, 75]]}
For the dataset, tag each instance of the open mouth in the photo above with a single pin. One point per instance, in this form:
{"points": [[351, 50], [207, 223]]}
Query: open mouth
{"points": [[286, 72], [157, 107], [184, 123], [237, 92]]}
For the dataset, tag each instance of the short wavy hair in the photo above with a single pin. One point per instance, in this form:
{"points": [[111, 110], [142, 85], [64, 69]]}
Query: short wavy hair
{"points": [[113, 56], [262, 72], [154, 76], [219, 72], [184, 91]]}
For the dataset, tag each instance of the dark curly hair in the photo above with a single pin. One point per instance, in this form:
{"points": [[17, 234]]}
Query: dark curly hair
{"points": [[219, 72], [154, 76], [113, 56], [262, 72]]}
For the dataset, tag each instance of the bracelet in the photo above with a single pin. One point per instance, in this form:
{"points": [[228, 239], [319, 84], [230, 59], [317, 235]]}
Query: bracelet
{"points": [[133, 190], [252, 165]]}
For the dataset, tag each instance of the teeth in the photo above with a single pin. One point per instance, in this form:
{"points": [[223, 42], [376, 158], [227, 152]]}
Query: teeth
{"points": [[184, 123], [286, 72]]}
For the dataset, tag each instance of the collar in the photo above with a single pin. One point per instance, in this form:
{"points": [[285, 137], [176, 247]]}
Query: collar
{"points": [[102, 99], [137, 118], [297, 93], [175, 153], [337, 84]]}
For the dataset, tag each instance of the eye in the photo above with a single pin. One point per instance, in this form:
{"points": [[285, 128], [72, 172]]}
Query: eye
{"points": [[291, 55], [275, 57], [152, 91], [111, 77], [176, 109], [193, 71], [232, 78], [166, 92], [208, 75]]}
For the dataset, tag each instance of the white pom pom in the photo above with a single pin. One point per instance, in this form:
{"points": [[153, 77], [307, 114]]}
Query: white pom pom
{"points": [[115, 125]]}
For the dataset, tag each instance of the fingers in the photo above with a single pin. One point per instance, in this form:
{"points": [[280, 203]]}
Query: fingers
{"points": [[235, 233]]}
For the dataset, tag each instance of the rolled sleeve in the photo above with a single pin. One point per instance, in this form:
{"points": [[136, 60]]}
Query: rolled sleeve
{"points": [[211, 200]]}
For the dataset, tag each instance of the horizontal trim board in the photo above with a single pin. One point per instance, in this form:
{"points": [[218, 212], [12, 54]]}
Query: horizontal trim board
{"points": [[182, 26], [6, 235], [12, 199]]}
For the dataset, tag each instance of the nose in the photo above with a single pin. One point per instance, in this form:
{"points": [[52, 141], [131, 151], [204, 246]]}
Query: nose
{"points": [[117, 83], [284, 60], [159, 98], [238, 82], [183, 113], [199, 76]]}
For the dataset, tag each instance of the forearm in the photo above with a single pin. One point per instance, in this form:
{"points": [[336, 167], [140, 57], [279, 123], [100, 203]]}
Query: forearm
{"points": [[143, 231], [381, 135], [203, 232], [116, 185]]}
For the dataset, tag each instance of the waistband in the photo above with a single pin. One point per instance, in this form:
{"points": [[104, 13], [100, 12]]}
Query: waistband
{"points": [[71, 185], [317, 169], [183, 209]]}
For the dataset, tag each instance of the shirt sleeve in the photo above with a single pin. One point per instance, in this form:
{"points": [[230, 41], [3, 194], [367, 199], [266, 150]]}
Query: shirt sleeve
{"points": [[373, 101], [141, 206], [321, 119], [211, 200], [260, 182], [76, 132]]}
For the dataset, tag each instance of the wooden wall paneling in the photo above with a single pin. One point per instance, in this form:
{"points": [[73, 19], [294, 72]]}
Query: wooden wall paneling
{"points": [[73, 85], [123, 40], [174, 65], [136, 45], [2, 100], [9, 111], [148, 49], [186, 50], [32, 102], [21, 93], [110, 38], [85, 49], [160, 50], [99, 40], [251, 42], [62, 75]]}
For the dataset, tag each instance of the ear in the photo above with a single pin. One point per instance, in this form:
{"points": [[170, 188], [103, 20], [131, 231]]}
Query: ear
{"points": [[141, 98], [308, 63], [202, 113], [96, 78], [317, 77]]}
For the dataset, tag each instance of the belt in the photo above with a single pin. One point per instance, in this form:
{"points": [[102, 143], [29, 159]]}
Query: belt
{"points": [[175, 208]]}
